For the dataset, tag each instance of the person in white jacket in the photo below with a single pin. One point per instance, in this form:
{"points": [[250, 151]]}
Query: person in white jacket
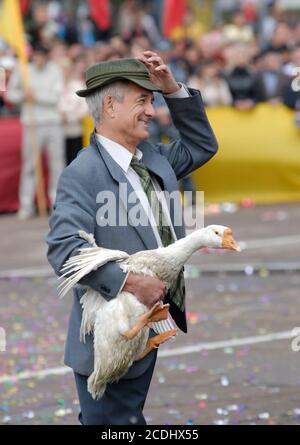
{"points": [[39, 110], [73, 109]]}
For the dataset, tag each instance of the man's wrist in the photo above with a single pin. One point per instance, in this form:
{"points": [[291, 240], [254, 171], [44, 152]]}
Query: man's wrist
{"points": [[129, 282], [172, 90], [182, 93]]}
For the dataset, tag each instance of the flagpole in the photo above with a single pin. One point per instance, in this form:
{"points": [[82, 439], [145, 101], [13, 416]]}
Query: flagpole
{"points": [[36, 155]]}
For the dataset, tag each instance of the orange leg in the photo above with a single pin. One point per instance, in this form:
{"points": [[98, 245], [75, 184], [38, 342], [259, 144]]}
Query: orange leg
{"points": [[160, 313], [154, 342], [156, 313]]}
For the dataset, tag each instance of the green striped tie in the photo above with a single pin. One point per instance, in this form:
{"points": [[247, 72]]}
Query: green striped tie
{"points": [[177, 289]]}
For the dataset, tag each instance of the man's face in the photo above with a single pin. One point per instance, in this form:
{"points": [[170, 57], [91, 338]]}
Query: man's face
{"points": [[133, 115], [272, 62], [39, 59]]}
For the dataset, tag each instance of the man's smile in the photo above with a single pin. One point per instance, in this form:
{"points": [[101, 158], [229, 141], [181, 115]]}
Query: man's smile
{"points": [[145, 122]]}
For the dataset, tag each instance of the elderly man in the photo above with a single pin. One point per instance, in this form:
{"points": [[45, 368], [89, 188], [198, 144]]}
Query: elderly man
{"points": [[119, 95]]}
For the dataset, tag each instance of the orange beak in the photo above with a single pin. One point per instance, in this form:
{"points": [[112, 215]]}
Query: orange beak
{"points": [[228, 242]]}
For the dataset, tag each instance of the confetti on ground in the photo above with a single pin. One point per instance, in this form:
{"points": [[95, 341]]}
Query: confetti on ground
{"points": [[255, 383]]}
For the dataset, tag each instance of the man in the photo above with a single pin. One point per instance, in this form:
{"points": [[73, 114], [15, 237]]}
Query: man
{"points": [[42, 124], [119, 95], [271, 81]]}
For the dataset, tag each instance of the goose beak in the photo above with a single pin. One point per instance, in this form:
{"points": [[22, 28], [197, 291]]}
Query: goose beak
{"points": [[228, 242]]}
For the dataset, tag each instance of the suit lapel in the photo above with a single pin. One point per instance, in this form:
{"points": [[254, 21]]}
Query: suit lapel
{"points": [[145, 232]]}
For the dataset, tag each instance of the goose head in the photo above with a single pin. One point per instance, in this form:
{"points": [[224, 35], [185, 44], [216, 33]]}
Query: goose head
{"points": [[215, 236]]}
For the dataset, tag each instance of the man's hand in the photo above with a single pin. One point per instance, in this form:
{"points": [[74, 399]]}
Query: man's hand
{"points": [[160, 74], [148, 290], [28, 95], [244, 104]]}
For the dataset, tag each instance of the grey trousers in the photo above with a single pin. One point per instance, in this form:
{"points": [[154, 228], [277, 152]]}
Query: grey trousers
{"points": [[50, 137], [122, 402]]}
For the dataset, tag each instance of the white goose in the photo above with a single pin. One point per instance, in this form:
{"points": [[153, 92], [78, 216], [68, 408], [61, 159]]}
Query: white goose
{"points": [[121, 325]]}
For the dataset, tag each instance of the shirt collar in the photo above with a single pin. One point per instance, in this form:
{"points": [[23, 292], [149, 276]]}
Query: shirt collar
{"points": [[118, 152]]}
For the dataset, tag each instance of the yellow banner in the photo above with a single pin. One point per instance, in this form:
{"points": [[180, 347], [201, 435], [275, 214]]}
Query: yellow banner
{"points": [[258, 157]]}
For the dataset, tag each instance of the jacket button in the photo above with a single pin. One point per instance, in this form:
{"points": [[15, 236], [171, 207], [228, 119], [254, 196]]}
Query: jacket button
{"points": [[105, 289]]}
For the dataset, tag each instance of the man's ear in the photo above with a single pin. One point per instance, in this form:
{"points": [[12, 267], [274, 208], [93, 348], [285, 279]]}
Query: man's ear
{"points": [[108, 106]]}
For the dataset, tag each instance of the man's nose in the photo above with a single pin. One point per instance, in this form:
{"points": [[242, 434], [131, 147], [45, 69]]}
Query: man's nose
{"points": [[150, 111]]}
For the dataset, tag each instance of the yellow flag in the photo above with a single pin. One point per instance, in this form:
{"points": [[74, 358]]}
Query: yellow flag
{"points": [[11, 28]]}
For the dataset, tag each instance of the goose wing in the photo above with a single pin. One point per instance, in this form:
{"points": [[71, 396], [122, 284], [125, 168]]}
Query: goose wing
{"points": [[88, 259]]}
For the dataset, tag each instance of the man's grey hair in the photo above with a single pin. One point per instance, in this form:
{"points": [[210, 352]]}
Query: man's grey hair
{"points": [[95, 100]]}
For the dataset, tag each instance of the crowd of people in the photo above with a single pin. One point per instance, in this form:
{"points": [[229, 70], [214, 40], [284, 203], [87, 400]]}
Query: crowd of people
{"points": [[241, 61]]}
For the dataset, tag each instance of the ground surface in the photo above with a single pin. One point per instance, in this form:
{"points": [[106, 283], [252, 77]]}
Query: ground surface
{"points": [[240, 368]]}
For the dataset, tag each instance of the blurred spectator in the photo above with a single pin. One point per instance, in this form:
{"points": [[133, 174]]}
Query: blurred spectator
{"points": [[7, 63], [271, 82], [291, 67], [135, 20], [87, 33], [73, 109], [212, 43], [291, 99], [139, 45], [41, 27], [238, 31], [268, 23], [214, 89], [58, 51], [118, 45], [281, 40], [242, 80], [161, 126], [192, 59], [68, 29], [41, 124], [190, 29], [297, 34]]}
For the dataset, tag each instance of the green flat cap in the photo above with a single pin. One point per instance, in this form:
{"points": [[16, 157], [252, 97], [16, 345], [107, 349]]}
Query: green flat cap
{"points": [[103, 73]]}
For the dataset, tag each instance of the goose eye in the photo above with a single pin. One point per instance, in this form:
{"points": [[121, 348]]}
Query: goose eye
{"points": [[216, 232]]}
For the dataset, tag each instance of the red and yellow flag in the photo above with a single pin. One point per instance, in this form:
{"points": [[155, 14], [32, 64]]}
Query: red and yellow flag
{"points": [[174, 12]]}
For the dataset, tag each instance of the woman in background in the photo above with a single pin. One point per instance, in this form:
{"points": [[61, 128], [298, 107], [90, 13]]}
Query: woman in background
{"points": [[214, 90], [73, 108]]}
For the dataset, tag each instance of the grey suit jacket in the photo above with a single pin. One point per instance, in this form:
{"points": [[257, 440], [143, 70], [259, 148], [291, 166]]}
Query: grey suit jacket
{"points": [[93, 171]]}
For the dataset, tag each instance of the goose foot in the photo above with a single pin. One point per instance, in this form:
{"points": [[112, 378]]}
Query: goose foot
{"points": [[159, 312], [156, 313], [154, 342]]}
